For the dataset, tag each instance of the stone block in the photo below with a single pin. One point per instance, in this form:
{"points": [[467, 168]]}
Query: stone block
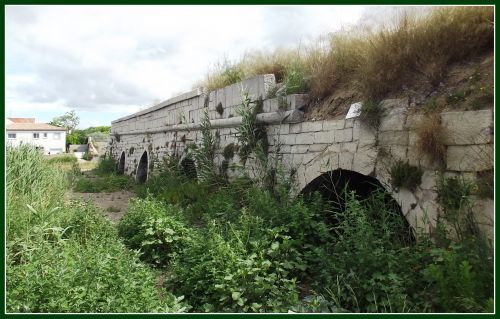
{"points": [[288, 139], [220, 97], [345, 160], [323, 137], [295, 128], [366, 136], [398, 152], [311, 126], [270, 105], [309, 157], [393, 120], [393, 138], [333, 125], [470, 127], [299, 149], [349, 147], [469, 158], [317, 147], [344, 135], [349, 123], [267, 81], [297, 101], [406, 199], [305, 138], [413, 121], [364, 161], [428, 180]]}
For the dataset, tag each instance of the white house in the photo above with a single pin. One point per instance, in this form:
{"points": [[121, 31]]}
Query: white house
{"points": [[51, 139]]}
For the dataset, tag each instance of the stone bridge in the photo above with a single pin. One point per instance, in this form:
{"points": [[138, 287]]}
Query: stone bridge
{"points": [[312, 149]]}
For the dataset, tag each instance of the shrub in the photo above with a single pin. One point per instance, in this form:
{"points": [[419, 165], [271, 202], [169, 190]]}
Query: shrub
{"points": [[106, 165], [87, 156], [404, 175], [430, 135], [236, 271], [155, 229], [228, 151], [371, 113], [294, 79]]}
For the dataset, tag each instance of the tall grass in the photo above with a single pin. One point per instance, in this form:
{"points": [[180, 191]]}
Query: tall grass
{"points": [[66, 257], [375, 62]]}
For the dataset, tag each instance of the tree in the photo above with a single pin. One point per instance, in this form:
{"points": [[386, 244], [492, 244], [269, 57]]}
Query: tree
{"points": [[69, 121]]}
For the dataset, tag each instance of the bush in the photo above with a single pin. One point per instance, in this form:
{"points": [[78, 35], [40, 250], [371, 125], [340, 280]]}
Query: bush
{"points": [[244, 270], [106, 165], [154, 229], [371, 113], [87, 156], [404, 175]]}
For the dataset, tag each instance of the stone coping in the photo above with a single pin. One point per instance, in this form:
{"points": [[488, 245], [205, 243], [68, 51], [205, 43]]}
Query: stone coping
{"points": [[177, 99], [293, 116]]}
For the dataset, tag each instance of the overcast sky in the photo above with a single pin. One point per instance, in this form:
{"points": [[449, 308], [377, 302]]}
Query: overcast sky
{"points": [[109, 61]]}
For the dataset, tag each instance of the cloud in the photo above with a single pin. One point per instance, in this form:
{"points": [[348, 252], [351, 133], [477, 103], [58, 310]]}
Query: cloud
{"points": [[92, 58]]}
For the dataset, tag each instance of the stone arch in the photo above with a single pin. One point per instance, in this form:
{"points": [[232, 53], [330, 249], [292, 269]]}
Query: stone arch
{"points": [[121, 164], [333, 184], [142, 169]]}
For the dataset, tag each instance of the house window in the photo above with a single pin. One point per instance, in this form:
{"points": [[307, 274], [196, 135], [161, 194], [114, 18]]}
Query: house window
{"points": [[57, 136], [11, 136], [36, 136], [44, 135]]}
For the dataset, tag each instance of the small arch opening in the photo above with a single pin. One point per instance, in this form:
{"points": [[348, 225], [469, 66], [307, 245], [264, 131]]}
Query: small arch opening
{"points": [[121, 164], [334, 187], [188, 169], [142, 169]]}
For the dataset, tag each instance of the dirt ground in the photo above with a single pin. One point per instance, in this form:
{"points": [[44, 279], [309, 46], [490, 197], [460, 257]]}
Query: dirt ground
{"points": [[114, 204]]}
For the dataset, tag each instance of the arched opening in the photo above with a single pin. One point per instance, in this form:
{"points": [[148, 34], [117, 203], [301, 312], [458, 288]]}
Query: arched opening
{"points": [[121, 164], [335, 188], [142, 169], [188, 168]]}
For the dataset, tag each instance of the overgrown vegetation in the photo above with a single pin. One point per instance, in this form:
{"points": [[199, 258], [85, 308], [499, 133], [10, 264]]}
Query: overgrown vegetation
{"points": [[375, 62], [241, 248], [404, 175], [371, 113], [431, 135], [65, 257], [104, 178]]}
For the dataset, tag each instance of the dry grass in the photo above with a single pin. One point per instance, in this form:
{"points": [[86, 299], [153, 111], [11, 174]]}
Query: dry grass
{"points": [[430, 134], [375, 62]]}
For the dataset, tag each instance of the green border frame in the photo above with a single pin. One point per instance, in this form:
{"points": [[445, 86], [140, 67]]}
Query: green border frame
{"points": [[218, 2]]}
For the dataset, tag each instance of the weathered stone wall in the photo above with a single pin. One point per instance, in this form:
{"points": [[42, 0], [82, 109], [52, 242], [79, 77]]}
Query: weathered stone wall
{"points": [[314, 147]]}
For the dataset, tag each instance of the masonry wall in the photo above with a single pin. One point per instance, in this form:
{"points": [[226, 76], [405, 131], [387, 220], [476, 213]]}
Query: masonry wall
{"points": [[313, 147]]}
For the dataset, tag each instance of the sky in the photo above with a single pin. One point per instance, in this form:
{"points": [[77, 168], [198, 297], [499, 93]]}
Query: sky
{"points": [[106, 62]]}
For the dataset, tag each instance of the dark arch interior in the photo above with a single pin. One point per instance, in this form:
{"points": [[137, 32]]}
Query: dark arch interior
{"points": [[333, 185], [188, 168], [121, 164], [142, 169]]}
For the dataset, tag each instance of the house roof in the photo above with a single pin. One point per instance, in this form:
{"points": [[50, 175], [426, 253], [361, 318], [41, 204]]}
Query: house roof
{"points": [[33, 127], [22, 119]]}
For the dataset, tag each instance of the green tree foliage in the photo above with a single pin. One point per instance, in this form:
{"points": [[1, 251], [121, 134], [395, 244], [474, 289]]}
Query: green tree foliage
{"points": [[69, 121]]}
